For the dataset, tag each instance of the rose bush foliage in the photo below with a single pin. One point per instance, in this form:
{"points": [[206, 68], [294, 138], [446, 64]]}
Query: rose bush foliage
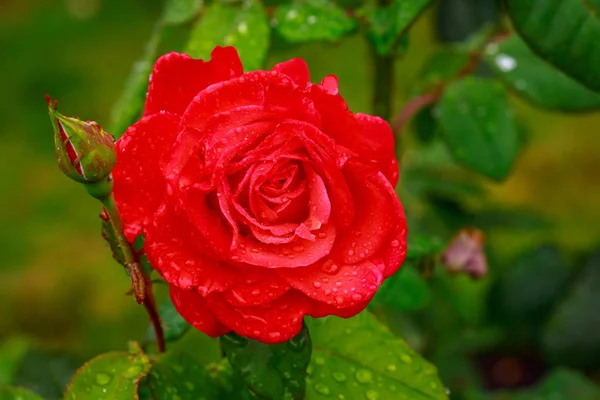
{"points": [[262, 198]]}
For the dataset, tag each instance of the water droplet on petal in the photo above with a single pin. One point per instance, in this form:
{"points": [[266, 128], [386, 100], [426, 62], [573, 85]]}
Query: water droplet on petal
{"points": [[339, 300], [274, 335], [356, 297], [395, 243], [317, 284]]}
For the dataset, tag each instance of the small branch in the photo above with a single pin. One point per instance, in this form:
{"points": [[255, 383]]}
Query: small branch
{"points": [[141, 283], [421, 101]]}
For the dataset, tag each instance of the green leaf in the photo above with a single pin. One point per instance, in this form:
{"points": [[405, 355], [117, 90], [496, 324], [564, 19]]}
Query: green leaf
{"points": [[570, 336], [272, 371], [387, 25], [228, 382], [303, 21], [457, 20], [10, 393], [12, 352], [128, 107], [174, 326], [479, 127], [179, 376], [406, 290], [358, 358], [181, 11], [524, 294], [422, 246], [564, 32], [114, 375], [536, 80], [245, 27], [108, 234], [561, 383]]}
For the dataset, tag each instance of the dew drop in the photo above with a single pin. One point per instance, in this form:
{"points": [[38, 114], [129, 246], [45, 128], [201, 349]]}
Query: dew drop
{"points": [[274, 335], [338, 283], [322, 389], [330, 267], [406, 358], [350, 252], [391, 367], [320, 360], [317, 284], [363, 376], [356, 297], [395, 243], [371, 395], [339, 376], [255, 292], [339, 300], [103, 378]]}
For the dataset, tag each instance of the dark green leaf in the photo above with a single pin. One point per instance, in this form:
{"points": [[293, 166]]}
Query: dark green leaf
{"points": [[303, 21], [113, 375], [443, 66], [12, 352], [422, 246], [9, 393], [387, 25], [459, 19], [536, 80], [129, 105], [174, 326], [272, 371], [245, 27], [570, 336], [229, 384], [179, 376], [479, 126], [358, 358], [46, 372], [406, 290], [181, 11], [565, 32], [559, 384]]}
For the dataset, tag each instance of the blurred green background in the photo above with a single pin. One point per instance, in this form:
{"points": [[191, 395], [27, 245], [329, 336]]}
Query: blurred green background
{"points": [[60, 287]]}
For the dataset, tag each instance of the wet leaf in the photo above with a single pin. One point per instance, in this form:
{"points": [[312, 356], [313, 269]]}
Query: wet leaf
{"points": [[536, 80], [272, 371], [179, 376], [406, 290], [181, 11], [479, 127], [114, 375], [358, 358], [10, 393], [243, 26], [174, 326], [303, 21], [564, 32]]}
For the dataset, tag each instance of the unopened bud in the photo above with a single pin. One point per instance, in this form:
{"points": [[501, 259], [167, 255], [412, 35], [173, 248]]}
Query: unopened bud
{"points": [[84, 151], [465, 253]]}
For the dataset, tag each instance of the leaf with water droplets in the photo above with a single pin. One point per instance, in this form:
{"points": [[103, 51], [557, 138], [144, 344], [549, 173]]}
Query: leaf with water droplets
{"points": [[358, 359], [181, 11], [303, 21], [114, 376], [272, 371], [564, 32], [178, 376], [479, 127], [10, 393], [388, 25], [243, 26], [539, 82]]}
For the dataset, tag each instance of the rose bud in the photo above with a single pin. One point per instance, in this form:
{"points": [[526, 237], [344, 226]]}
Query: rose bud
{"points": [[262, 198], [465, 253], [85, 152]]}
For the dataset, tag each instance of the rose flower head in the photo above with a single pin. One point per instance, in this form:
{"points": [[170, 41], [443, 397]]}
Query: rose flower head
{"points": [[261, 197]]}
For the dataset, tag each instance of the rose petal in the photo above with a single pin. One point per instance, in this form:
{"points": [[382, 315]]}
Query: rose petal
{"points": [[296, 68], [319, 204], [330, 84], [186, 261], [255, 286], [369, 138], [335, 283], [194, 310], [274, 322], [393, 252], [139, 185], [177, 78], [296, 254], [375, 198]]}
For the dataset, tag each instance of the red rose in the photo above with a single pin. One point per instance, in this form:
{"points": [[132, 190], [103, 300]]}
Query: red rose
{"points": [[262, 198]]}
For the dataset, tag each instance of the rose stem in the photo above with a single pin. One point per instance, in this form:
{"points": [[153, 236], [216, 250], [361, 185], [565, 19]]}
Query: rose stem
{"points": [[383, 82], [141, 283]]}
